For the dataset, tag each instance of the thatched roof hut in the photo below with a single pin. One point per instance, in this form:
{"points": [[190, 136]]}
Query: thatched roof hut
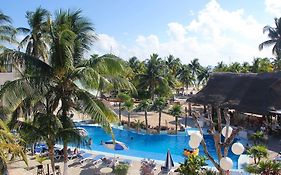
{"points": [[245, 92]]}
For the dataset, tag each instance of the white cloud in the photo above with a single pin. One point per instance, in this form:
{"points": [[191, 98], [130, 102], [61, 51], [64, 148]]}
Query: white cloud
{"points": [[106, 44], [214, 35], [273, 7]]}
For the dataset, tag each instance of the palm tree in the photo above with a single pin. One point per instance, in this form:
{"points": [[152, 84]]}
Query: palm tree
{"points": [[185, 76], [129, 106], [173, 64], [176, 112], [122, 97], [234, 67], [276, 63], [262, 65], [6, 30], [221, 67], [257, 137], [159, 105], [61, 78], [258, 152], [203, 75], [9, 144], [145, 106], [36, 40], [194, 66], [153, 76], [82, 27], [268, 167], [274, 35], [245, 67]]}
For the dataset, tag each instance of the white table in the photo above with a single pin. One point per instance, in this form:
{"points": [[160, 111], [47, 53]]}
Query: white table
{"points": [[106, 170]]}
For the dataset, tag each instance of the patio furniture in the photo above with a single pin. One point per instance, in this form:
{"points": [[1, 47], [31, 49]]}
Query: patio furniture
{"points": [[40, 170], [57, 170]]}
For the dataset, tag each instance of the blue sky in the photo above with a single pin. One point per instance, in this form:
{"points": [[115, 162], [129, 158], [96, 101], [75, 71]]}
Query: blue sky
{"points": [[211, 30]]}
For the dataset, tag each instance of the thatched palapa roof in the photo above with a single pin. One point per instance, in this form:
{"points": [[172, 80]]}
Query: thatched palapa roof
{"points": [[245, 92]]}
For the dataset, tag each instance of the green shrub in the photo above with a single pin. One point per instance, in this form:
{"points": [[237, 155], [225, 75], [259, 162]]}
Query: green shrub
{"points": [[121, 169], [192, 165]]}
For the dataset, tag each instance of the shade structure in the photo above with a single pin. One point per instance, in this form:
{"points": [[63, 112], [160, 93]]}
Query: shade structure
{"points": [[245, 92], [115, 145], [169, 161]]}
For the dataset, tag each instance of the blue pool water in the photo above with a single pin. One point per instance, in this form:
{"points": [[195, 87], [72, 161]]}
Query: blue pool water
{"points": [[150, 146]]}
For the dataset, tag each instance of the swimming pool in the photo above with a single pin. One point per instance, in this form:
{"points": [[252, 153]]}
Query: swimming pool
{"points": [[150, 146]]}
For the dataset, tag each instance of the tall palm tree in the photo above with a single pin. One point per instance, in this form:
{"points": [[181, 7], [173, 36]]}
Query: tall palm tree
{"points": [[274, 35], [129, 106], [194, 66], [122, 97], [37, 38], [153, 75], [82, 27], [203, 75], [70, 84], [9, 144], [185, 76], [159, 105], [7, 31], [173, 64], [176, 112], [221, 67], [145, 106]]}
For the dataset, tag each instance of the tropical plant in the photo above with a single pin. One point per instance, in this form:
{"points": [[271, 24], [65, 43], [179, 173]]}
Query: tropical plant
{"points": [[192, 165], [7, 31], [235, 67], [9, 145], [220, 67], [145, 105], [195, 67], [185, 76], [257, 137], [268, 167], [176, 112], [40, 159], [129, 106], [121, 169], [60, 77], [159, 105], [261, 65], [153, 75], [203, 75], [37, 38], [122, 97], [173, 64], [258, 152], [138, 125], [274, 35]]}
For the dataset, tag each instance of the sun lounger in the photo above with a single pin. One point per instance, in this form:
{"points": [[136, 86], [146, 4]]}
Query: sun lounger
{"points": [[84, 157]]}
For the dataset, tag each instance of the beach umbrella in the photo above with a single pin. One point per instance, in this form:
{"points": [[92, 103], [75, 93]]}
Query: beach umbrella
{"points": [[115, 145], [169, 161]]}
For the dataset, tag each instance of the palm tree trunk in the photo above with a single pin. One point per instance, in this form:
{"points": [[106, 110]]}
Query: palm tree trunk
{"points": [[176, 124], [51, 155], [159, 122], [65, 159], [146, 122], [120, 119], [129, 119]]}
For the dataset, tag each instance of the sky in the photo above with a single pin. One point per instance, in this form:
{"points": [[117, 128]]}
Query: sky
{"points": [[210, 30]]}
